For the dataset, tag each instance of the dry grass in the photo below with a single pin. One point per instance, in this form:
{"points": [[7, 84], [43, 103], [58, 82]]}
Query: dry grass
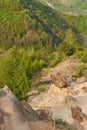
{"points": [[85, 89]]}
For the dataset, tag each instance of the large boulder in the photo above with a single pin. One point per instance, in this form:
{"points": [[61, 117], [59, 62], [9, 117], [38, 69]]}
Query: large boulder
{"points": [[4, 122], [59, 81], [78, 115], [10, 104], [14, 115], [18, 115], [80, 118]]}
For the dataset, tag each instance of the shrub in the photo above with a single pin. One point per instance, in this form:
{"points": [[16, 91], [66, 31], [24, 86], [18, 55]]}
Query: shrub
{"points": [[63, 125], [82, 55], [55, 58], [70, 44], [80, 71], [17, 70], [42, 89]]}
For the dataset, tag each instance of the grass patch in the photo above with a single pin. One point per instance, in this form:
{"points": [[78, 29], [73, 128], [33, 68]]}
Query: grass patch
{"points": [[84, 89], [63, 125], [80, 71], [42, 89]]}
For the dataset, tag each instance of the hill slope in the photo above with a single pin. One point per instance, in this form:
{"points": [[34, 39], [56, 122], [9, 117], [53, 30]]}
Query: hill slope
{"points": [[68, 6], [28, 22]]}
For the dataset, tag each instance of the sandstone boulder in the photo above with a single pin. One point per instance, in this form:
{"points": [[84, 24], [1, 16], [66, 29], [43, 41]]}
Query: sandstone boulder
{"points": [[59, 81], [14, 115], [18, 115], [10, 104], [78, 115], [45, 114]]}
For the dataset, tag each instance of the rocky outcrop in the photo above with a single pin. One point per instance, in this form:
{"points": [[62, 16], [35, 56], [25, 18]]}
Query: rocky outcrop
{"points": [[45, 114], [63, 93], [80, 119], [78, 115], [18, 115], [14, 115], [70, 91], [59, 81], [10, 104], [4, 122], [33, 92]]}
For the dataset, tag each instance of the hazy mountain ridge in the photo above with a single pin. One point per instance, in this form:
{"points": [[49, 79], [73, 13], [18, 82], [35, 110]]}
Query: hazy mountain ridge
{"points": [[74, 6]]}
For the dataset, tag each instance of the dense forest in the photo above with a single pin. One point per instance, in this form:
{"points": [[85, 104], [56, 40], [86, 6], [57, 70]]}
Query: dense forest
{"points": [[34, 36], [29, 22]]}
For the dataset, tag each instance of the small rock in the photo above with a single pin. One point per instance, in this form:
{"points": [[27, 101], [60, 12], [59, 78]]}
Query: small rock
{"points": [[69, 99], [33, 92]]}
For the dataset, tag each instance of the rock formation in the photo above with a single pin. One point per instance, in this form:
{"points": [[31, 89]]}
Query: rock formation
{"points": [[18, 115], [14, 114], [45, 114], [60, 101], [4, 122], [10, 104], [70, 91], [59, 81], [69, 99], [78, 115]]}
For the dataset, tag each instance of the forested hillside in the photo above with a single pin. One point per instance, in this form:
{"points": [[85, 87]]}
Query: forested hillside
{"points": [[29, 22], [34, 36]]}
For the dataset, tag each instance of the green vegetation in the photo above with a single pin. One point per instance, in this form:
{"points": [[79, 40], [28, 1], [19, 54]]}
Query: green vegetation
{"points": [[33, 36], [27, 23], [85, 89], [63, 125], [78, 24], [42, 90], [70, 44], [80, 71], [82, 55], [20, 65], [17, 70]]}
